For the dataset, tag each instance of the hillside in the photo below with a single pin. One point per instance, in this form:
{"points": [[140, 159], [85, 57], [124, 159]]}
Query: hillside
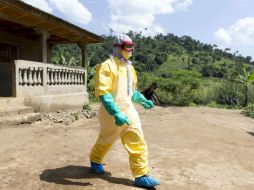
{"points": [[187, 71]]}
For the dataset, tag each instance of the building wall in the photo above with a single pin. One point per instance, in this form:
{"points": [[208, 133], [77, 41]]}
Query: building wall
{"points": [[18, 48], [28, 49]]}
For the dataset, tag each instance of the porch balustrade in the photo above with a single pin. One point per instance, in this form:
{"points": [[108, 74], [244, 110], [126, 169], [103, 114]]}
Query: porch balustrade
{"points": [[30, 76], [35, 78]]}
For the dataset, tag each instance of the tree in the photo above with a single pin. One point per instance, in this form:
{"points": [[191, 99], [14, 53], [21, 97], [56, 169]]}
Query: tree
{"points": [[248, 59], [246, 78]]}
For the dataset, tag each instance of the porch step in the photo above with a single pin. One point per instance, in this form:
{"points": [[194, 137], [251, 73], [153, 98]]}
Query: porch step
{"points": [[19, 119], [11, 101], [14, 110]]}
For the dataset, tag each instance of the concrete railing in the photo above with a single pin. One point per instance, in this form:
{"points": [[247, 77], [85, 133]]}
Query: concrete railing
{"points": [[30, 76], [35, 78], [59, 76]]}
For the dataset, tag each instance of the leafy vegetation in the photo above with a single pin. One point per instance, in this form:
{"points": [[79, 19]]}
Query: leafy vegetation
{"points": [[66, 55], [187, 71], [249, 110], [246, 78]]}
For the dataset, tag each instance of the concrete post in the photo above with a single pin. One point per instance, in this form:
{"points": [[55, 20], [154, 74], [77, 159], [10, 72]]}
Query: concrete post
{"points": [[44, 46], [84, 61]]}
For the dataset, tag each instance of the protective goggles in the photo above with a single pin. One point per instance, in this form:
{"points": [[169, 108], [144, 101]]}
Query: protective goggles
{"points": [[128, 47]]}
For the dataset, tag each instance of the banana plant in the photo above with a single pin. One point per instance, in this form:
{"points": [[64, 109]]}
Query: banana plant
{"points": [[60, 59], [246, 78]]}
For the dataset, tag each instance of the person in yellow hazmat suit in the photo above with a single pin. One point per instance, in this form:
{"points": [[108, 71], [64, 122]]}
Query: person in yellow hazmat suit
{"points": [[115, 86]]}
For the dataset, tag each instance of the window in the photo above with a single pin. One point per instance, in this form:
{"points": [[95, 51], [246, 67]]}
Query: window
{"points": [[8, 53], [4, 53], [13, 53]]}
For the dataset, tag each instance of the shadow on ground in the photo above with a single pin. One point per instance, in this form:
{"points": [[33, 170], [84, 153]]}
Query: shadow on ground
{"points": [[65, 175], [251, 133]]}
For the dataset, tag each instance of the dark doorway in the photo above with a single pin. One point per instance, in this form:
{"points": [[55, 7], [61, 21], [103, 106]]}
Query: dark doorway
{"points": [[8, 53]]}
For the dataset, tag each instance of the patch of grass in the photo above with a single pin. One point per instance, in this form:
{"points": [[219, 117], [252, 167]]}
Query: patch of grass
{"points": [[87, 107], [249, 110], [213, 104]]}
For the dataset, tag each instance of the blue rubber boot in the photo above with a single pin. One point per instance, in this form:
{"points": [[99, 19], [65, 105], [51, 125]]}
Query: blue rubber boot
{"points": [[97, 168], [146, 181]]}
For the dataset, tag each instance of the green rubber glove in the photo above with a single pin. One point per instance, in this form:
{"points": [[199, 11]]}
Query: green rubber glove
{"points": [[140, 99], [112, 108], [121, 119], [148, 104]]}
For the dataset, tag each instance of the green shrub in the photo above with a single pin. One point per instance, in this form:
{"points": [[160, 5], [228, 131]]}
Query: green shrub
{"points": [[214, 104], [178, 90], [183, 86], [206, 92], [164, 96], [229, 93], [192, 104], [251, 94], [202, 96], [86, 107], [249, 110], [91, 91]]}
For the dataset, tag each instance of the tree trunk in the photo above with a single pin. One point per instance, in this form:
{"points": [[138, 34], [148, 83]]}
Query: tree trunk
{"points": [[245, 96]]}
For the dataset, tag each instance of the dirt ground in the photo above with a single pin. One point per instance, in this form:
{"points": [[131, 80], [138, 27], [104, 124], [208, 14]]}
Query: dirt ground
{"points": [[190, 148]]}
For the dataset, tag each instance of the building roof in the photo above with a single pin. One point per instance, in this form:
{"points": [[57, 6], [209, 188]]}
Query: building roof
{"points": [[25, 20]]}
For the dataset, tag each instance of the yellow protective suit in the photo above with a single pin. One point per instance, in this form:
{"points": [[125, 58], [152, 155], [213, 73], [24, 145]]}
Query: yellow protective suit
{"points": [[111, 77]]}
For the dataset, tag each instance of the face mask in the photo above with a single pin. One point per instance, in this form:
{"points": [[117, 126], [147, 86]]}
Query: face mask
{"points": [[126, 54]]}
